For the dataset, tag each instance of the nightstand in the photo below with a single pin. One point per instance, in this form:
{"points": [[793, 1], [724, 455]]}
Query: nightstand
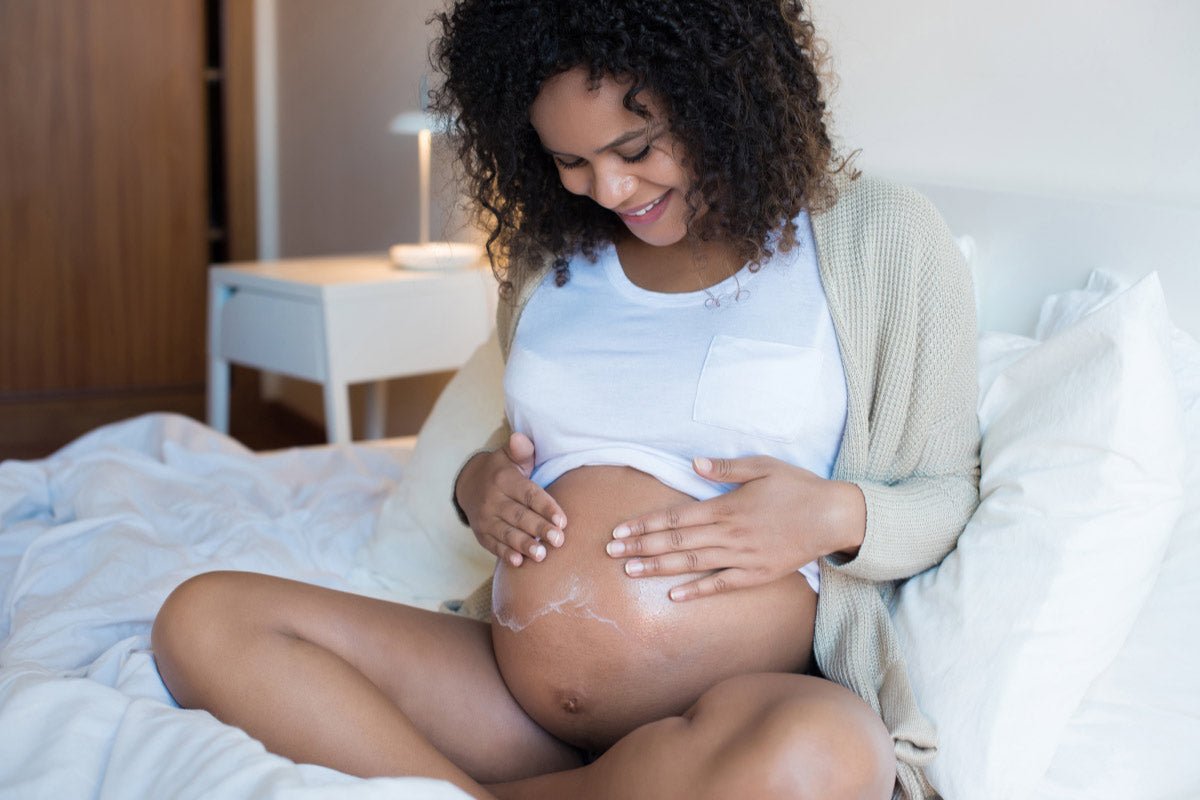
{"points": [[338, 321]]}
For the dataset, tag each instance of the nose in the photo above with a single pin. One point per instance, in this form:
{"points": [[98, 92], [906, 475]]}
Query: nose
{"points": [[612, 187]]}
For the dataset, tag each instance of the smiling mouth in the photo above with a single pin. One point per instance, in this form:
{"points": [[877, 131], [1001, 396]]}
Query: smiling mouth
{"points": [[641, 212]]}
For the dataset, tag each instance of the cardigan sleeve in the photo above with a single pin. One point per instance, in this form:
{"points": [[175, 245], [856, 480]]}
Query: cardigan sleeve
{"points": [[921, 483]]}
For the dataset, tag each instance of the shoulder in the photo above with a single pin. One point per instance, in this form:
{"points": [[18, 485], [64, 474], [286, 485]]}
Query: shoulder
{"points": [[890, 265], [882, 231], [879, 208]]}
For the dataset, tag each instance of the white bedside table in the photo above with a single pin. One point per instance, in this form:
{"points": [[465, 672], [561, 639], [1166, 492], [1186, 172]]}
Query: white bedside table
{"points": [[338, 321]]}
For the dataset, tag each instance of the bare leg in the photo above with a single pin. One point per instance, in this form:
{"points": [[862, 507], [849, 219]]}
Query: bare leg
{"points": [[763, 736], [361, 685]]}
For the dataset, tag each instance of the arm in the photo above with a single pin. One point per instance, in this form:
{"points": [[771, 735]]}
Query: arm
{"points": [[491, 492], [919, 469]]}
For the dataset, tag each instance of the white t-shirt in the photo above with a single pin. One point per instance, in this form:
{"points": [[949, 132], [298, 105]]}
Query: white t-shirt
{"points": [[603, 372]]}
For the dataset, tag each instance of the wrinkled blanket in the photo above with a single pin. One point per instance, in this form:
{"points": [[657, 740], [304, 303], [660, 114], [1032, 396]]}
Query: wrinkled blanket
{"points": [[94, 538]]}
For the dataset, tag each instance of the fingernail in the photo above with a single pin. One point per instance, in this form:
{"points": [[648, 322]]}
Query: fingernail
{"points": [[621, 531], [615, 548], [703, 464], [515, 559], [634, 567], [555, 537], [677, 594], [560, 520], [539, 552]]}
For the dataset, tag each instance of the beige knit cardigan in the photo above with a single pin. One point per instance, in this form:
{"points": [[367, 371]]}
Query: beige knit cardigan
{"points": [[902, 305]]}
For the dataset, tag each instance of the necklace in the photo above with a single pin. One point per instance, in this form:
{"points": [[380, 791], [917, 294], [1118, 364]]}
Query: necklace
{"points": [[715, 301], [736, 296]]}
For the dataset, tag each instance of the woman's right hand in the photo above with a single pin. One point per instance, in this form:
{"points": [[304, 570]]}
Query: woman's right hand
{"points": [[510, 515]]}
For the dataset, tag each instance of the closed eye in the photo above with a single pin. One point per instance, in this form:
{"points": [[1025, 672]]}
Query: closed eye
{"points": [[578, 162], [639, 157], [568, 164]]}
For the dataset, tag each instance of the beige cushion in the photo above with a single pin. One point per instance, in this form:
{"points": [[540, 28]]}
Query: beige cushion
{"points": [[419, 546]]}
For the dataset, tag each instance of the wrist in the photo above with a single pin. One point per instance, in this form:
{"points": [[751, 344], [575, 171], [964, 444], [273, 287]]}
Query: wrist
{"points": [[465, 471], [848, 523]]}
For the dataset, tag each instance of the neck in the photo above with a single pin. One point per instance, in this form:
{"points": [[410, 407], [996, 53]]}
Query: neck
{"points": [[685, 266]]}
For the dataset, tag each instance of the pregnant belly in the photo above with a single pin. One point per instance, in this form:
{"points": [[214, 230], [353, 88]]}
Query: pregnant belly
{"points": [[591, 653]]}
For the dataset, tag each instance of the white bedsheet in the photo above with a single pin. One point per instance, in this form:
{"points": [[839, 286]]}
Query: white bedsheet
{"points": [[93, 539]]}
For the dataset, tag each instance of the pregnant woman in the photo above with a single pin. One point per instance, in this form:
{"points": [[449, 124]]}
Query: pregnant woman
{"points": [[740, 407]]}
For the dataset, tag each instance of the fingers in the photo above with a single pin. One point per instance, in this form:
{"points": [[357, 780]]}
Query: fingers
{"points": [[674, 518], [521, 542], [681, 563], [510, 544], [519, 450], [516, 531], [732, 470], [668, 541], [520, 519], [503, 552], [512, 517], [524, 520], [547, 519], [726, 580], [529, 508]]}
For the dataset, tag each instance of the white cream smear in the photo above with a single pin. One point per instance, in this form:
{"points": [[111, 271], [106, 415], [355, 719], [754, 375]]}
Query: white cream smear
{"points": [[576, 603]]}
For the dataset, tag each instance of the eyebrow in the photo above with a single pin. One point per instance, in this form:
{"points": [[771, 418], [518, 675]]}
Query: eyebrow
{"points": [[617, 142]]}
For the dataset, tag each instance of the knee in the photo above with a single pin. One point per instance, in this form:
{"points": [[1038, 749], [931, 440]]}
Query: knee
{"points": [[804, 737], [835, 747], [194, 622]]}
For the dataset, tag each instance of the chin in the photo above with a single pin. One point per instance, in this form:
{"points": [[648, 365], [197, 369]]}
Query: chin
{"points": [[661, 235]]}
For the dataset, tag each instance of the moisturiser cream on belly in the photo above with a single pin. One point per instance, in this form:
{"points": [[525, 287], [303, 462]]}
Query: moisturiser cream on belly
{"points": [[591, 653]]}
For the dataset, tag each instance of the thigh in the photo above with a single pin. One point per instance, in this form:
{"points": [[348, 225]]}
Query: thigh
{"points": [[438, 669]]}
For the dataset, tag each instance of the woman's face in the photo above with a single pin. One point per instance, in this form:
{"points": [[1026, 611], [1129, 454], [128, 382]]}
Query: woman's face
{"points": [[630, 165]]}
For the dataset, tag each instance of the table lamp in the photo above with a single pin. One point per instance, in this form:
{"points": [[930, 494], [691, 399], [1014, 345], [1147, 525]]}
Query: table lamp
{"points": [[427, 254]]}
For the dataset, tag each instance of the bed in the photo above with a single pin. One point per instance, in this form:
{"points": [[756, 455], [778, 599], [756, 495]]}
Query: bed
{"points": [[1057, 647]]}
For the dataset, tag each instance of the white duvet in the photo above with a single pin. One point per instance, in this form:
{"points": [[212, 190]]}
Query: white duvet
{"points": [[91, 542]]}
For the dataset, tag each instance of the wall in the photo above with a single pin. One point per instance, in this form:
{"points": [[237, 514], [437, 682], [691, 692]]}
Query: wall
{"points": [[1093, 98], [345, 69]]}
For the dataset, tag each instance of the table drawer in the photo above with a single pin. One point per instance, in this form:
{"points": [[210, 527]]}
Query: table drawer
{"points": [[279, 334]]}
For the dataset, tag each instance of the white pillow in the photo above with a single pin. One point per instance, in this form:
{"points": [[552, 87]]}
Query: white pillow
{"points": [[1137, 731], [419, 547], [1080, 490], [1062, 310]]}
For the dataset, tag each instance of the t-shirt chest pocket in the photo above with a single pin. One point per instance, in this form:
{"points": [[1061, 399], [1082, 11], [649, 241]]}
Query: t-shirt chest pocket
{"points": [[758, 388]]}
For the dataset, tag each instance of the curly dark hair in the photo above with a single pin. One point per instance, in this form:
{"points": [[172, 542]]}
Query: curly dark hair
{"points": [[739, 80]]}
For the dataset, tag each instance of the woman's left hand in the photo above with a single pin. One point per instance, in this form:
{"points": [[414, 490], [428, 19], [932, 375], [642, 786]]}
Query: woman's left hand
{"points": [[780, 518]]}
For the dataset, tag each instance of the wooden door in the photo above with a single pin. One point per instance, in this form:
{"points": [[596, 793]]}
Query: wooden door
{"points": [[106, 208]]}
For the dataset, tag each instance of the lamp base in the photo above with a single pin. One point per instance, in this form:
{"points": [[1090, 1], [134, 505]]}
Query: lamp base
{"points": [[436, 255]]}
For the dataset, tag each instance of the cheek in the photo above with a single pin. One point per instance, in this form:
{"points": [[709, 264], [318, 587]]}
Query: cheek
{"points": [[668, 172]]}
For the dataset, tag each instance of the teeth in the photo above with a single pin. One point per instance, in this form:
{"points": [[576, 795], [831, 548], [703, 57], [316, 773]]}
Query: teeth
{"points": [[645, 210]]}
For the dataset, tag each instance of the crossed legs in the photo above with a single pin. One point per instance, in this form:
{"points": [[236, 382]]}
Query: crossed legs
{"points": [[370, 688]]}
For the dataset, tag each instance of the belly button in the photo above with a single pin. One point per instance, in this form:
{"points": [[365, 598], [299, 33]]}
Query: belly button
{"points": [[570, 703]]}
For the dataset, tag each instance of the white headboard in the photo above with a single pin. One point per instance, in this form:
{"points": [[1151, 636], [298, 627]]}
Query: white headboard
{"points": [[1029, 246]]}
